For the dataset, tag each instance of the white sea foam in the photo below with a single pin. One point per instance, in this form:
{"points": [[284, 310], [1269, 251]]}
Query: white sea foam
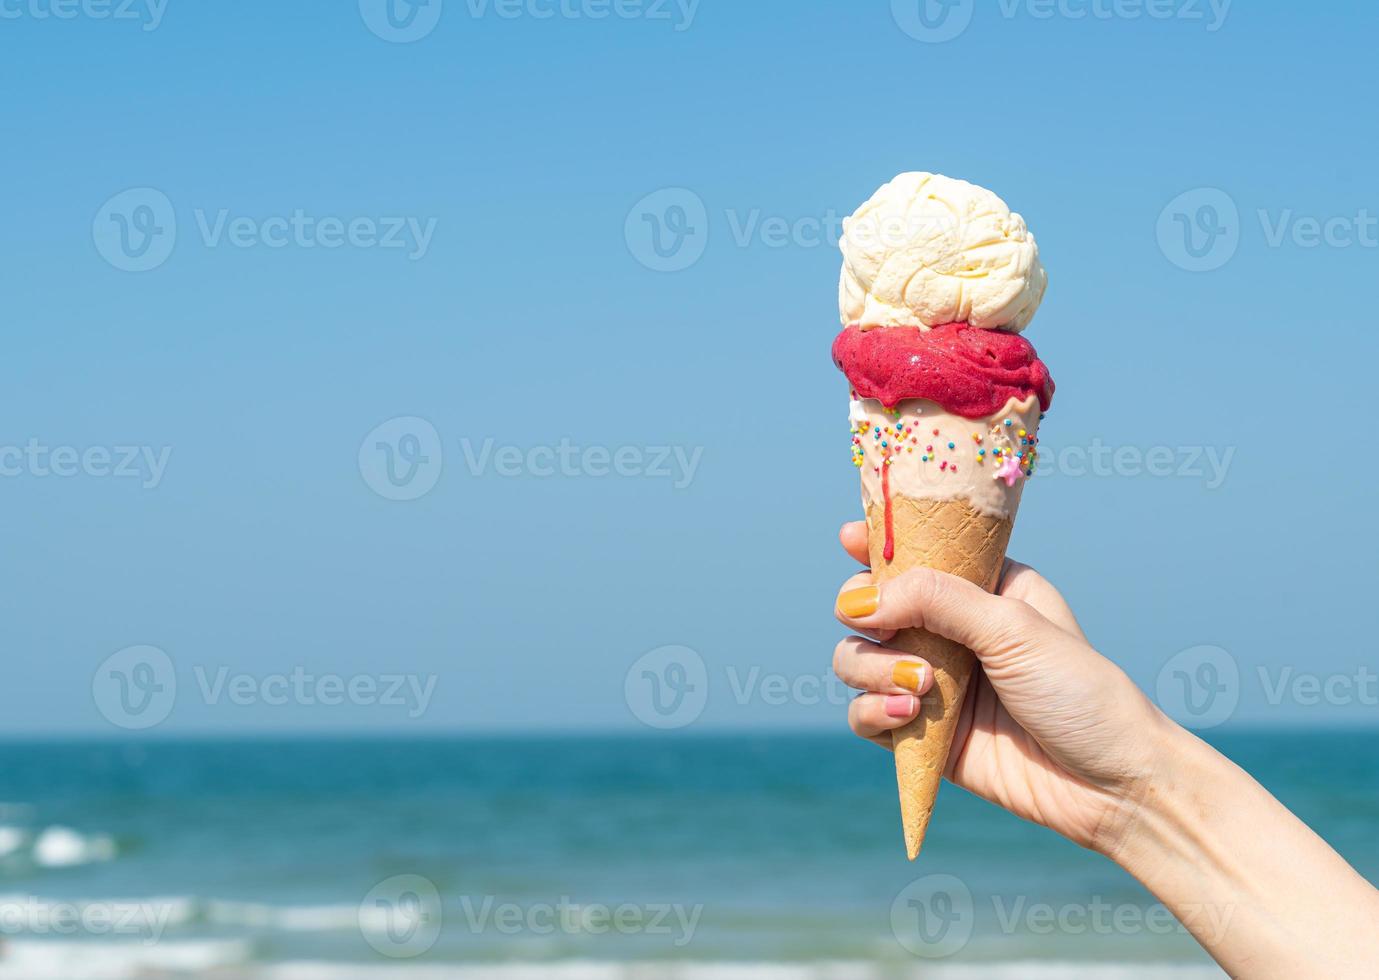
{"points": [[146, 919], [231, 960], [11, 840], [58, 960], [63, 847], [26, 913], [1041, 970], [53, 847]]}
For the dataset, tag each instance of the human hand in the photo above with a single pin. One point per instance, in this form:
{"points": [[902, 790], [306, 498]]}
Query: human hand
{"points": [[1050, 729]]}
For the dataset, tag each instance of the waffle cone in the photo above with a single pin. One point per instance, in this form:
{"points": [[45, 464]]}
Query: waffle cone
{"points": [[949, 535]]}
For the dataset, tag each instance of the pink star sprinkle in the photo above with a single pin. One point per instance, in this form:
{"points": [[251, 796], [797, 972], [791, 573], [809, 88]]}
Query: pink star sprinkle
{"points": [[1010, 471]]}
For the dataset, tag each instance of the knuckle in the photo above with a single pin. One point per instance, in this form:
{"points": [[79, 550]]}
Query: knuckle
{"points": [[917, 589], [1018, 624], [1013, 566]]}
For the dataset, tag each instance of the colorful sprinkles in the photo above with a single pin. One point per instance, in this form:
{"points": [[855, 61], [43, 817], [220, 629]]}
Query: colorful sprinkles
{"points": [[1014, 453]]}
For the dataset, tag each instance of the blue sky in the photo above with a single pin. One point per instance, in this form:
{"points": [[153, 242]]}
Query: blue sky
{"points": [[339, 224]]}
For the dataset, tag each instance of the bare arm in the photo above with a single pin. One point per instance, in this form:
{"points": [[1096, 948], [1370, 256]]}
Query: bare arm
{"points": [[1264, 894]]}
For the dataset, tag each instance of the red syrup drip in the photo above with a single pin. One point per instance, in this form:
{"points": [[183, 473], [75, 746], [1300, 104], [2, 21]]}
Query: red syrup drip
{"points": [[888, 552]]}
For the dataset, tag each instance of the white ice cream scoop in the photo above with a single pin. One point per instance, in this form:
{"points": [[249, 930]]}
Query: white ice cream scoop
{"points": [[928, 250]]}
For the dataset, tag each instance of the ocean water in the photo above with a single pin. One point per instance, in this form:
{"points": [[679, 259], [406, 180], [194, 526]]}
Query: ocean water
{"points": [[755, 856]]}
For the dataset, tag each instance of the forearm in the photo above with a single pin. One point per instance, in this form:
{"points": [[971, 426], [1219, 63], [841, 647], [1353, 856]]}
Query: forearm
{"points": [[1264, 894]]}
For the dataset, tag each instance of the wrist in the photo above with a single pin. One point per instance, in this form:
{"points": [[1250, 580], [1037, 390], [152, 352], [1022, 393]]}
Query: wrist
{"points": [[1154, 811]]}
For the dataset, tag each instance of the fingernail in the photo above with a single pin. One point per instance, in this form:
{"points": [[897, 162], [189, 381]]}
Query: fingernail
{"points": [[857, 603], [908, 675], [901, 705]]}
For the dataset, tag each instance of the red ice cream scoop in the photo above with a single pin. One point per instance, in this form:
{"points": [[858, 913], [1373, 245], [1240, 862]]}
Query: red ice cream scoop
{"points": [[970, 372]]}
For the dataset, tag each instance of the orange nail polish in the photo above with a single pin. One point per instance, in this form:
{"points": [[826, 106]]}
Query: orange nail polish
{"points": [[857, 603], [908, 675]]}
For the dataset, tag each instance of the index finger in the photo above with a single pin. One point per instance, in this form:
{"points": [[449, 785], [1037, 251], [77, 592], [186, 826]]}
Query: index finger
{"points": [[853, 537], [952, 607]]}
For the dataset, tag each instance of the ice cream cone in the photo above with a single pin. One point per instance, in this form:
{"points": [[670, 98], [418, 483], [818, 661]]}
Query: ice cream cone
{"points": [[939, 491], [939, 277], [953, 537]]}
